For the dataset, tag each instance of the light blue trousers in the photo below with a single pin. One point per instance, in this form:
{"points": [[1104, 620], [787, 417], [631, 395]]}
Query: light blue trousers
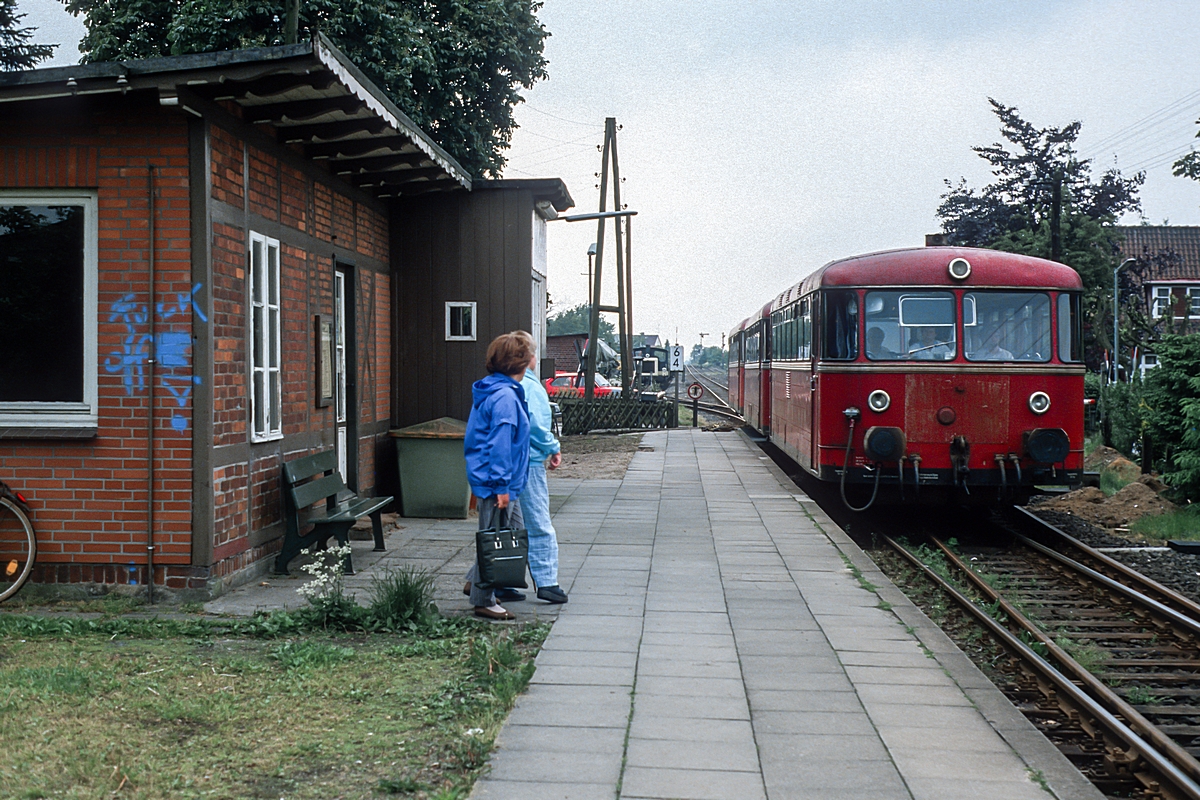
{"points": [[543, 541]]}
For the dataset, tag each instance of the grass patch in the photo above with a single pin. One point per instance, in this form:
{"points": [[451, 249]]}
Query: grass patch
{"points": [[858, 576], [1111, 482], [1141, 696], [183, 709], [1181, 524]]}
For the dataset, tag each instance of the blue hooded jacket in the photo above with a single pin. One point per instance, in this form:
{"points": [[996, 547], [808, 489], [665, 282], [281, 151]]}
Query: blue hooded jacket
{"points": [[497, 440]]}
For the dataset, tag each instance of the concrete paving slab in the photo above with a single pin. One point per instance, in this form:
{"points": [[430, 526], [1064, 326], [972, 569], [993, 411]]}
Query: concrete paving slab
{"points": [[688, 784], [724, 643]]}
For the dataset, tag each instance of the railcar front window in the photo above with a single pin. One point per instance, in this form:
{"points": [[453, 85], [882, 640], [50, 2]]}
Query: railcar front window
{"points": [[840, 340], [1006, 326], [910, 326], [1070, 339]]}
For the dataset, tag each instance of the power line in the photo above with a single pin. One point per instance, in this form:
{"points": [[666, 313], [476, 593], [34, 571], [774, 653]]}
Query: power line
{"points": [[1184, 106], [556, 116]]}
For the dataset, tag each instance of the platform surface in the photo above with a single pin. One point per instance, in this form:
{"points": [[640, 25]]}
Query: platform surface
{"points": [[718, 645]]}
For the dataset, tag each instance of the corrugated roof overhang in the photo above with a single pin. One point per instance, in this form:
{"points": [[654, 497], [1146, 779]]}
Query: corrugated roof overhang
{"points": [[310, 94]]}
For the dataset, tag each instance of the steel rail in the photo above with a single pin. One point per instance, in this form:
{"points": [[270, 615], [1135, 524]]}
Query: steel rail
{"points": [[1166, 596], [1170, 776], [1094, 686]]}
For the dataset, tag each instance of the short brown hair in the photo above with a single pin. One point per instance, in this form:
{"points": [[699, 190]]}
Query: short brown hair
{"points": [[509, 353]]}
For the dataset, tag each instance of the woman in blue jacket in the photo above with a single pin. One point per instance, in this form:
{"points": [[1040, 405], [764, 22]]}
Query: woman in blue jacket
{"points": [[497, 448]]}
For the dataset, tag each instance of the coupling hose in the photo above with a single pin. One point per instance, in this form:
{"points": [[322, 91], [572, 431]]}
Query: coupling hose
{"points": [[846, 468]]}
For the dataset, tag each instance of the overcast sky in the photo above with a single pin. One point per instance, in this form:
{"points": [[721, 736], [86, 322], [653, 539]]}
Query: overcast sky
{"points": [[761, 139]]}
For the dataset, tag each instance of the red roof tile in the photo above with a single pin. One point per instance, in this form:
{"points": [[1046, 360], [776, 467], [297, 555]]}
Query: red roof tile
{"points": [[1148, 240]]}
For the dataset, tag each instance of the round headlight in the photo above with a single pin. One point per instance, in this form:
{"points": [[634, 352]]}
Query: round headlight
{"points": [[959, 268], [878, 401], [1039, 402]]}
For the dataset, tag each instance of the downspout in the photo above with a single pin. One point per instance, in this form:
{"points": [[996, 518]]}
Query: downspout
{"points": [[150, 364]]}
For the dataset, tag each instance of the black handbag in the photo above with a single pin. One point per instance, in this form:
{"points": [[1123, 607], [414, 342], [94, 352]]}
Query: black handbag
{"points": [[502, 554]]}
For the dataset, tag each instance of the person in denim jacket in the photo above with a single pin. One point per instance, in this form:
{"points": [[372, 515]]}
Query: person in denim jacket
{"points": [[535, 500]]}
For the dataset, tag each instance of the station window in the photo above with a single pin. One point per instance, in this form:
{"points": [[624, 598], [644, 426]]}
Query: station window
{"points": [[841, 325], [460, 322], [910, 325], [48, 313], [265, 392], [1006, 326]]}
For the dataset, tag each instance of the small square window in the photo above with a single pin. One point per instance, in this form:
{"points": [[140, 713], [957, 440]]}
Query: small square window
{"points": [[460, 322]]}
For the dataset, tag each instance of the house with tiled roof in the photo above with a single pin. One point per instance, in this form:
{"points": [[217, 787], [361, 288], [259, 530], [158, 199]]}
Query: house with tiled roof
{"points": [[1170, 273]]}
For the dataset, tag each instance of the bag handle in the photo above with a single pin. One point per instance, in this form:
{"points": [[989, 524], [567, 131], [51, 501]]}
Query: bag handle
{"points": [[501, 516]]}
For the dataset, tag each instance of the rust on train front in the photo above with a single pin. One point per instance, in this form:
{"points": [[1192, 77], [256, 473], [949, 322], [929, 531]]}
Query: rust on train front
{"points": [[939, 407]]}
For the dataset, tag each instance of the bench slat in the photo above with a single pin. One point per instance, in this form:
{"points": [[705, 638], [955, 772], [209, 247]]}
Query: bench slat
{"points": [[348, 511], [307, 494], [302, 468]]}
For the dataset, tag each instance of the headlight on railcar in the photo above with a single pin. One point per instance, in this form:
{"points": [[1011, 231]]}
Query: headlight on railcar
{"points": [[1039, 402], [884, 444], [879, 401], [1047, 445]]}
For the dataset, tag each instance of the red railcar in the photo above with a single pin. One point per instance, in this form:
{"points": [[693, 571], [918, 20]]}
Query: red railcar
{"points": [[922, 369]]}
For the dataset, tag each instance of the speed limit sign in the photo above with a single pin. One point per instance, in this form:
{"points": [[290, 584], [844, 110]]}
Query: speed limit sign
{"points": [[695, 391]]}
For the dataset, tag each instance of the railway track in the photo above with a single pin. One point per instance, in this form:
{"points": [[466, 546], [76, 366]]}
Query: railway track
{"points": [[718, 391], [1103, 660]]}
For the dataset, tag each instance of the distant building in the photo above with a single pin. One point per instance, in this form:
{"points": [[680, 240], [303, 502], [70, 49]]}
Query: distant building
{"points": [[1171, 280]]}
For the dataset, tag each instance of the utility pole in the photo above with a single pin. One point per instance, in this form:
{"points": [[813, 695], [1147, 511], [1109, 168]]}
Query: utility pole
{"points": [[291, 31], [1056, 216]]}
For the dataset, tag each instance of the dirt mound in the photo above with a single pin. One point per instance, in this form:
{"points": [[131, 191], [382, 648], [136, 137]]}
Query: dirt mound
{"points": [[1135, 501], [1123, 468], [1099, 458]]}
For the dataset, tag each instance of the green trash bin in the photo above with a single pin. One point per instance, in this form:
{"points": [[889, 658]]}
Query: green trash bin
{"points": [[433, 471]]}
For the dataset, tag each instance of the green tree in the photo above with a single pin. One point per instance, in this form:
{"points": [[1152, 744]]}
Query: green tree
{"points": [[1044, 202], [455, 67], [576, 320], [1172, 412], [712, 356], [16, 51]]}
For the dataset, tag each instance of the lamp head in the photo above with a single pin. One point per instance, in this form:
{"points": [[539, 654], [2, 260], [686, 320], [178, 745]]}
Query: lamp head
{"points": [[592, 249]]}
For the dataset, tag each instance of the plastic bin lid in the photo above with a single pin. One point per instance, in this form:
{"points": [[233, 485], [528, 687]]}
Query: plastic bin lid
{"points": [[441, 428]]}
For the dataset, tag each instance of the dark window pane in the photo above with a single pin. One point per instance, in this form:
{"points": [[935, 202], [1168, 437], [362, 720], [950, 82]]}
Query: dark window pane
{"points": [[41, 303]]}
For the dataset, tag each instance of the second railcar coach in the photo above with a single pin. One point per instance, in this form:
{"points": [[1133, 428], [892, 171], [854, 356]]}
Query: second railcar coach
{"points": [[922, 373]]}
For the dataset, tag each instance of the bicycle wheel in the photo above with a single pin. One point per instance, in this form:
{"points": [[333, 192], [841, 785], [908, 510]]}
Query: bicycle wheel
{"points": [[18, 548]]}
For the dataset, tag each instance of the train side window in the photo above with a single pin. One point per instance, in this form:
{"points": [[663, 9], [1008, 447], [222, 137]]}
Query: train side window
{"points": [[840, 336], [1009, 326], [1070, 337], [804, 326]]}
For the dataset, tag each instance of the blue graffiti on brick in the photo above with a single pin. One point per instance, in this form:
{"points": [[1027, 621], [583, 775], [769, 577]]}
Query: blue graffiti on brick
{"points": [[172, 349]]}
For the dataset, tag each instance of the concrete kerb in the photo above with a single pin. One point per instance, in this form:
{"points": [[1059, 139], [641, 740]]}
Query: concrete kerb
{"points": [[1038, 754]]}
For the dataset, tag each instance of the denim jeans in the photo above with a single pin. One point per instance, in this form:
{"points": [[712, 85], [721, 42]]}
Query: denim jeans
{"points": [[487, 507], [543, 541]]}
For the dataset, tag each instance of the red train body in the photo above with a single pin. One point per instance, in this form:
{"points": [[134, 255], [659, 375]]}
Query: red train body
{"points": [[921, 369]]}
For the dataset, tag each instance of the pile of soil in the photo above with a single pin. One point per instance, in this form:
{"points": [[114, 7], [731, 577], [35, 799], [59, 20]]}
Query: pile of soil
{"points": [[1100, 458], [597, 455], [1138, 499], [1179, 571]]}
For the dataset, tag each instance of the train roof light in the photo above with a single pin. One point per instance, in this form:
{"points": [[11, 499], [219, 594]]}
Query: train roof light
{"points": [[960, 269]]}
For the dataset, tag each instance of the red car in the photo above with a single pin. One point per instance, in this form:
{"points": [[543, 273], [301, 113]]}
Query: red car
{"points": [[570, 384]]}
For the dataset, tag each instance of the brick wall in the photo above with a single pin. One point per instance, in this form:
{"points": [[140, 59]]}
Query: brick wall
{"points": [[90, 496], [288, 203]]}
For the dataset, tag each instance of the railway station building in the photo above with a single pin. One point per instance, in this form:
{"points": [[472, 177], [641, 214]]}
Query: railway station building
{"points": [[220, 262]]}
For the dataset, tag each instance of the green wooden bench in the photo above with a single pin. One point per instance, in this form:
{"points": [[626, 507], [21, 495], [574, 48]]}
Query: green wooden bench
{"points": [[311, 479]]}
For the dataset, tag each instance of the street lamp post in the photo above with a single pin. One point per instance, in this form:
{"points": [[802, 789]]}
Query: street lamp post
{"points": [[1116, 333], [591, 255]]}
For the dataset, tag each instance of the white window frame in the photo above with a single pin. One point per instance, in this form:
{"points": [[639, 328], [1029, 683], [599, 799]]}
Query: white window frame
{"points": [[1161, 301], [263, 352], [1193, 296], [450, 304], [73, 417]]}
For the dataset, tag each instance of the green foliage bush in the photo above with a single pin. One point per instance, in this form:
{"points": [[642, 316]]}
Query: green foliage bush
{"points": [[402, 599], [1171, 409]]}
